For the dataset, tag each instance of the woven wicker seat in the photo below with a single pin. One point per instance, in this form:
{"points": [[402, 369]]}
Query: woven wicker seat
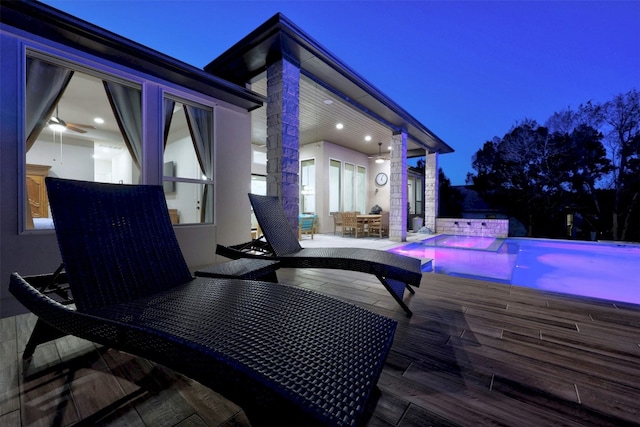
{"points": [[286, 355], [396, 272]]}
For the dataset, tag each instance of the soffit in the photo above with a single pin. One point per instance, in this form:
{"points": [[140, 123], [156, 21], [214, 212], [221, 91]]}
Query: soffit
{"points": [[318, 121]]}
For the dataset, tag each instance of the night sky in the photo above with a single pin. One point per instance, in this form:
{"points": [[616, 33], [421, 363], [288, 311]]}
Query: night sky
{"points": [[468, 70]]}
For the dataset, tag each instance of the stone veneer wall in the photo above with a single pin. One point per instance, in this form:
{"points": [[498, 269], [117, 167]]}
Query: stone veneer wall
{"points": [[430, 197], [473, 227], [398, 188], [283, 141]]}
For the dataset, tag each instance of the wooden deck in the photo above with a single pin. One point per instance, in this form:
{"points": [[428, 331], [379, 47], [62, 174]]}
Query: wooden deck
{"points": [[474, 353]]}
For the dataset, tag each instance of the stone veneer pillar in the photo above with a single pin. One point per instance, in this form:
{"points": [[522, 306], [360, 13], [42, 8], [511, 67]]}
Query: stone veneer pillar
{"points": [[283, 136], [431, 191], [398, 188]]}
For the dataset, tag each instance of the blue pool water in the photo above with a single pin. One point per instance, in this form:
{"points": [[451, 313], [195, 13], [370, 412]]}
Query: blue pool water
{"points": [[592, 269]]}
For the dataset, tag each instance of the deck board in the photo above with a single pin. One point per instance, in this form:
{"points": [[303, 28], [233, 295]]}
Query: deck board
{"points": [[474, 353]]}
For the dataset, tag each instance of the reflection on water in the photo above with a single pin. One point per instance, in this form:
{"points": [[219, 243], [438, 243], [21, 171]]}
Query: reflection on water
{"points": [[600, 270]]}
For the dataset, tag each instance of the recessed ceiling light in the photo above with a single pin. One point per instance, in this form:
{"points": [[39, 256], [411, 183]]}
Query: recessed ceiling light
{"points": [[98, 120], [328, 101], [339, 126], [367, 138]]}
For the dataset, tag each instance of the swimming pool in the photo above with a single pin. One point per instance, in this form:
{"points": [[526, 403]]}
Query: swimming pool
{"points": [[592, 269]]}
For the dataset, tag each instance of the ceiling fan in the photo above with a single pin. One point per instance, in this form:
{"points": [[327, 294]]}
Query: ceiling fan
{"points": [[379, 158], [56, 123]]}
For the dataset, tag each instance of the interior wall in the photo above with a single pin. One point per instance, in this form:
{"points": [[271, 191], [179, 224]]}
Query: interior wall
{"points": [[324, 151], [182, 154], [49, 153], [379, 194]]}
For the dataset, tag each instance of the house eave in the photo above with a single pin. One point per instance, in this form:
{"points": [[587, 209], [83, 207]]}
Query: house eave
{"points": [[49, 23]]}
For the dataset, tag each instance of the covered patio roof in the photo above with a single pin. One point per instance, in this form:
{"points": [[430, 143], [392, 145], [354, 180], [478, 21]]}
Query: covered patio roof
{"points": [[330, 93]]}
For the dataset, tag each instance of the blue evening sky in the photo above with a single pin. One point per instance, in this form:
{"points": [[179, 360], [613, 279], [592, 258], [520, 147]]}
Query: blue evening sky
{"points": [[468, 70]]}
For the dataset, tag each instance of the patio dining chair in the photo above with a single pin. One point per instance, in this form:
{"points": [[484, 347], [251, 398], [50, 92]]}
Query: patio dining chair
{"points": [[284, 354], [380, 226], [337, 222], [396, 272], [351, 224]]}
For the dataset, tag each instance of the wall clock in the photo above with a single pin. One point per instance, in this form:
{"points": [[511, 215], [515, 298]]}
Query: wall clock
{"points": [[381, 178]]}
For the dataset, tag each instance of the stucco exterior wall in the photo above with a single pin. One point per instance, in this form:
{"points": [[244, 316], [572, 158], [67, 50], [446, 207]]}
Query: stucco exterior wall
{"points": [[36, 251]]}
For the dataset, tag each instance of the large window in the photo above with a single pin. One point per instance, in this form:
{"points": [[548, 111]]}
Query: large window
{"points": [[335, 186], [419, 197], [349, 187], [308, 186], [415, 195], [188, 161], [361, 179], [87, 124], [79, 124], [354, 188], [411, 195]]}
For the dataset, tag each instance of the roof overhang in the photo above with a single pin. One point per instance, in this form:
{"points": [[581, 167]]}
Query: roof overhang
{"points": [[44, 21], [279, 38]]}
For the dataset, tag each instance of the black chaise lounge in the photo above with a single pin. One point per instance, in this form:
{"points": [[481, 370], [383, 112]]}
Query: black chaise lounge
{"points": [[396, 272], [284, 354]]}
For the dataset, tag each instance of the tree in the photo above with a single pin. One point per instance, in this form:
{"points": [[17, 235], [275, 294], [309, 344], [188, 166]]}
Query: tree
{"points": [[449, 197], [619, 122], [588, 164], [620, 119], [532, 174]]}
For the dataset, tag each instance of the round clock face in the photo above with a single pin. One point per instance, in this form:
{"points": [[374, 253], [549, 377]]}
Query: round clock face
{"points": [[381, 178]]}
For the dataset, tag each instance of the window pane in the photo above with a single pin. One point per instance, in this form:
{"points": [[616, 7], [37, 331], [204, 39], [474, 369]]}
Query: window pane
{"points": [[188, 162], [308, 186], [259, 185], [335, 186], [190, 203], [349, 181], [88, 145], [179, 147], [411, 196], [419, 193], [360, 190]]}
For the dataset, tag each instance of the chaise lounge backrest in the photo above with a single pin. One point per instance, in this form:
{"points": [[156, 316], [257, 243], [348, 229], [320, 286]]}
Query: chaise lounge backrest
{"points": [[101, 253], [275, 225]]}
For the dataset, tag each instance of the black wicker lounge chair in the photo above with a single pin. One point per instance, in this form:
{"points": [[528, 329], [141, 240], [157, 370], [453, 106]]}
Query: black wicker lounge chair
{"points": [[284, 354], [396, 272]]}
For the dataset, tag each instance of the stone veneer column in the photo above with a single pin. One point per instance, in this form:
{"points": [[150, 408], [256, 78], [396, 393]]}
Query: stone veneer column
{"points": [[398, 188], [283, 136], [431, 191]]}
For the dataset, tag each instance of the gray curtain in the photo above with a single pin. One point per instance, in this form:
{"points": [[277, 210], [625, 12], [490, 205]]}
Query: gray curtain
{"points": [[168, 116], [126, 103], [201, 129], [45, 85]]}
